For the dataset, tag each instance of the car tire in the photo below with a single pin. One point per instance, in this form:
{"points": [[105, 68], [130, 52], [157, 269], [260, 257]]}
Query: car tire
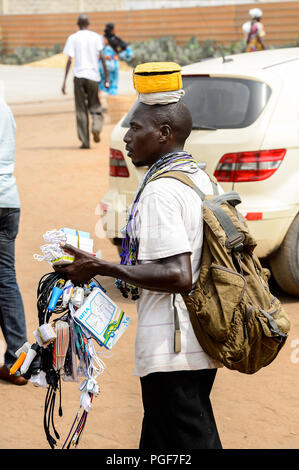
{"points": [[285, 263]]}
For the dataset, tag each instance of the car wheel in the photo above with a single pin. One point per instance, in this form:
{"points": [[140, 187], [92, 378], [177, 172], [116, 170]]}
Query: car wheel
{"points": [[285, 263]]}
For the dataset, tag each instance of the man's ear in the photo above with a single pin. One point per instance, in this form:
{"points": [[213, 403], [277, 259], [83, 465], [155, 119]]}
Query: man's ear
{"points": [[165, 132]]}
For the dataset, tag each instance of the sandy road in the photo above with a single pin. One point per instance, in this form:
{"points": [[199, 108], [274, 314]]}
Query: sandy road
{"points": [[61, 185]]}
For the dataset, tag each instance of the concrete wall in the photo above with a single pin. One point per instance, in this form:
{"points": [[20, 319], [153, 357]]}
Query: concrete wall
{"points": [[16, 7], [221, 23], [153, 4]]}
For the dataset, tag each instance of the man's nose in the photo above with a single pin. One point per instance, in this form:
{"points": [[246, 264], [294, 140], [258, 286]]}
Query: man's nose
{"points": [[126, 138]]}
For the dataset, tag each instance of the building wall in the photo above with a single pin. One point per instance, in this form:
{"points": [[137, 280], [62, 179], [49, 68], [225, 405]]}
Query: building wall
{"points": [[221, 23], [153, 4], [16, 7]]}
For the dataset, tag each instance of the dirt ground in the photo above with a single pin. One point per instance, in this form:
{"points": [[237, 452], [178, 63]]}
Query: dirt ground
{"points": [[61, 185]]}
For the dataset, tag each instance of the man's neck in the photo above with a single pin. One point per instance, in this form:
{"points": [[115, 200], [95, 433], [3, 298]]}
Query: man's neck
{"points": [[169, 152], [176, 148]]}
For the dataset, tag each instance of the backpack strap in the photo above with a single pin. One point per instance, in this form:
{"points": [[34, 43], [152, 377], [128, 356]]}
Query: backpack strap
{"points": [[177, 329], [232, 197], [184, 178], [234, 237]]}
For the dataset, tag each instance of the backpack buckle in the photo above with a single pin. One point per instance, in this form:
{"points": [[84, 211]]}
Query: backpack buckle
{"points": [[235, 242]]}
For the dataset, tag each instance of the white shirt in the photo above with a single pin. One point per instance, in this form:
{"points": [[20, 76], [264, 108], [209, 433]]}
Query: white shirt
{"points": [[169, 222], [85, 46], [9, 196]]}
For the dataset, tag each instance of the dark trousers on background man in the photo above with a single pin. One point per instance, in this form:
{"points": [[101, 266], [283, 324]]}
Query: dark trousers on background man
{"points": [[12, 317], [87, 101]]}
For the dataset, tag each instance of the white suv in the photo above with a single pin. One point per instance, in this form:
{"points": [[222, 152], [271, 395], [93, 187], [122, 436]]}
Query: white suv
{"points": [[245, 111]]}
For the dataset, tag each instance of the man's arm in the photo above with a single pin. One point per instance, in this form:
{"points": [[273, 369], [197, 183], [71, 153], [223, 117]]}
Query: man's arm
{"points": [[107, 81], [67, 68], [172, 274]]}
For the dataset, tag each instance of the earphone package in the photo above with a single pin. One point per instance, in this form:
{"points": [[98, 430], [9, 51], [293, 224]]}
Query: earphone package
{"points": [[53, 253], [104, 320]]}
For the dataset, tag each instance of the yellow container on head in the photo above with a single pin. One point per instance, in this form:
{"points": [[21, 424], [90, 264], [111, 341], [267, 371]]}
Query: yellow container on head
{"points": [[155, 77]]}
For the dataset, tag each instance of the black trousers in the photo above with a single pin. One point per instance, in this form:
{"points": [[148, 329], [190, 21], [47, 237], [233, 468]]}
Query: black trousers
{"points": [[177, 411], [87, 101]]}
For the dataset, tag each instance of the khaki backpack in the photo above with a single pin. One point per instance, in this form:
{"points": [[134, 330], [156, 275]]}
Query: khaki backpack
{"points": [[236, 319]]}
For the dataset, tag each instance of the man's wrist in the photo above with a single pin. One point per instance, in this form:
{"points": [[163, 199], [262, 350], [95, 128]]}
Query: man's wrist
{"points": [[100, 267], [95, 266]]}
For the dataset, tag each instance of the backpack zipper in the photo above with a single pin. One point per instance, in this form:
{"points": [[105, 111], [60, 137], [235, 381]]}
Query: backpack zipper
{"points": [[245, 322], [259, 274]]}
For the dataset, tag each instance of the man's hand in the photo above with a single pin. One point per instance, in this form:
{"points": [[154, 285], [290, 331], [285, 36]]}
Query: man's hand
{"points": [[82, 269], [107, 81], [67, 68]]}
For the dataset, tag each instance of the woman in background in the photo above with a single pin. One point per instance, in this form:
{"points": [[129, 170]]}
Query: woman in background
{"points": [[112, 64], [115, 49], [254, 31]]}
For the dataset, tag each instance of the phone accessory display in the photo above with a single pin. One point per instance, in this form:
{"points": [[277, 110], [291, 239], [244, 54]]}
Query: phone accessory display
{"points": [[72, 321]]}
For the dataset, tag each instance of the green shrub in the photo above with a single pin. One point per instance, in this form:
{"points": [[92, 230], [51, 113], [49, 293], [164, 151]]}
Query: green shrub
{"points": [[25, 55], [153, 50], [165, 49]]}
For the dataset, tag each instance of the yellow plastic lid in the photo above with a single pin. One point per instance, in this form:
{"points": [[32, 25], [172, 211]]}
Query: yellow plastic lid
{"points": [[160, 67], [154, 77]]}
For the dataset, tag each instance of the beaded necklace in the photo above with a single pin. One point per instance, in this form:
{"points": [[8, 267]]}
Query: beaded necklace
{"points": [[180, 160]]}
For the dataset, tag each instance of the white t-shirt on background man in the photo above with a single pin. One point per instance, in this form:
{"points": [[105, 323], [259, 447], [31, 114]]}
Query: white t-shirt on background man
{"points": [[169, 222], [84, 46], [9, 196]]}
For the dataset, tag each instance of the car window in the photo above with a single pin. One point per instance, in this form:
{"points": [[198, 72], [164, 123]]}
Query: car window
{"points": [[221, 103], [128, 116], [224, 103]]}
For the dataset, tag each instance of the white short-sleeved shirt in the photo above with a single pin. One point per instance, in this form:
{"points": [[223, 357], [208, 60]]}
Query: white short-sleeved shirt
{"points": [[85, 46], [9, 196], [169, 222]]}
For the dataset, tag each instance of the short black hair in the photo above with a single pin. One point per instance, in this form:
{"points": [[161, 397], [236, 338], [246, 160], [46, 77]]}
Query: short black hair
{"points": [[176, 115], [83, 20]]}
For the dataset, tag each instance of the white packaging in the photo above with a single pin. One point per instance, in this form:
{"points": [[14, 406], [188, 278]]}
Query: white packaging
{"points": [[104, 320]]}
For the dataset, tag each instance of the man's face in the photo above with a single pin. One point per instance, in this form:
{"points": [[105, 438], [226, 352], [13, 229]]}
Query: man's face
{"points": [[143, 138]]}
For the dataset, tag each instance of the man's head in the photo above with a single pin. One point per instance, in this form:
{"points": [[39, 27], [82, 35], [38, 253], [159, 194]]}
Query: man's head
{"points": [[83, 21], [157, 130]]}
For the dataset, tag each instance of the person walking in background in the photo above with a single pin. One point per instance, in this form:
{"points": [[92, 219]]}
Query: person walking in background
{"points": [[254, 31], [115, 49], [86, 48], [118, 45], [12, 316], [112, 64]]}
